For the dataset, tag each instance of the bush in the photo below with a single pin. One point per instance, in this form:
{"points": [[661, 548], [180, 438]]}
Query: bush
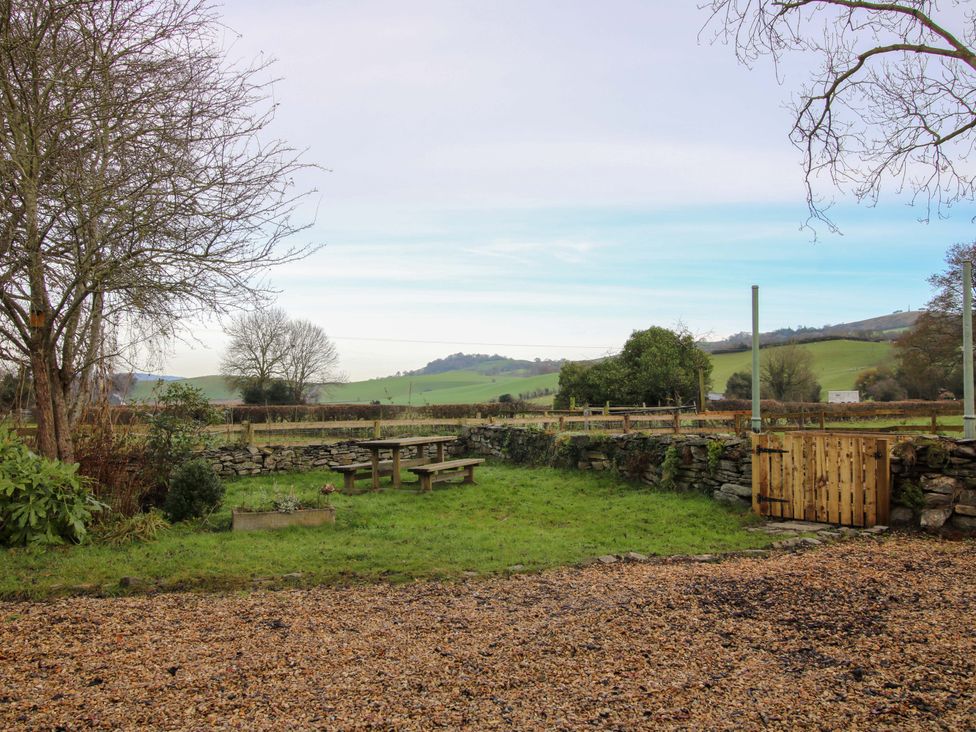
{"points": [[41, 501], [194, 490], [176, 429]]}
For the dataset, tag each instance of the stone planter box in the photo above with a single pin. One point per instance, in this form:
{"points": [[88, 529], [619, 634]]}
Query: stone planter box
{"points": [[257, 520]]}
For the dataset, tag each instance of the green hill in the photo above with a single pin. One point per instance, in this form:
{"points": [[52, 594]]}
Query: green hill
{"points": [[837, 364], [214, 387]]}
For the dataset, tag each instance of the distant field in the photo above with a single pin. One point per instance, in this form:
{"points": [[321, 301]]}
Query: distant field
{"points": [[214, 387], [837, 364]]}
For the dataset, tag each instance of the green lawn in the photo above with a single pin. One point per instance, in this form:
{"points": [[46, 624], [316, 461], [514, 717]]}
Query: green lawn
{"points": [[534, 517]]}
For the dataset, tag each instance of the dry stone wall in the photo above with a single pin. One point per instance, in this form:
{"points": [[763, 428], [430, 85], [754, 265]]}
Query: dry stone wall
{"points": [[935, 484], [717, 464], [236, 460]]}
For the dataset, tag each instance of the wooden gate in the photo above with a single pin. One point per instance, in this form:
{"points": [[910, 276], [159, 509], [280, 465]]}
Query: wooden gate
{"points": [[831, 477]]}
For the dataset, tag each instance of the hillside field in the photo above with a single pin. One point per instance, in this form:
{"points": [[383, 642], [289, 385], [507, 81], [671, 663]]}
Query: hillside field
{"points": [[837, 364]]}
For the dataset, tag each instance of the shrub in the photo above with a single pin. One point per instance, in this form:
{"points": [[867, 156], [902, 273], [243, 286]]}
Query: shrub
{"points": [[41, 501], [194, 490], [176, 429]]}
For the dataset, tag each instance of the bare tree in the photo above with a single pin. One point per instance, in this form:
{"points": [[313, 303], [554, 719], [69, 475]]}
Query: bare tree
{"points": [[266, 347], [136, 187], [893, 102], [787, 374], [258, 349], [310, 359]]}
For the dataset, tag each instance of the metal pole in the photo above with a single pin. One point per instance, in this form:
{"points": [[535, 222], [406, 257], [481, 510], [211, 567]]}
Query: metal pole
{"points": [[969, 412], [756, 417]]}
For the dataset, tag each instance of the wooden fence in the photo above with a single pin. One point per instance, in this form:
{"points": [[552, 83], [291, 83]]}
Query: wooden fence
{"points": [[607, 419]]}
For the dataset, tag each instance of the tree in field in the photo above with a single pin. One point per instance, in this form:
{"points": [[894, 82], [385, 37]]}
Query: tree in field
{"points": [[739, 385], [256, 353], [880, 384], [590, 383], [662, 367], [310, 360], [656, 366], [929, 356], [948, 283], [786, 374], [137, 188], [891, 103], [274, 360]]}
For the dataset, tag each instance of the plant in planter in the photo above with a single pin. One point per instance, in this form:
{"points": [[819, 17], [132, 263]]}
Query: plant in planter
{"points": [[286, 510]]}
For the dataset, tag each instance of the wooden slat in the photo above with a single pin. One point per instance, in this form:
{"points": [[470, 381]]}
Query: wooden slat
{"points": [[820, 493], [883, 490], [810, 478], [847, 479], [860, 484], [779, 467], [758, 486]]}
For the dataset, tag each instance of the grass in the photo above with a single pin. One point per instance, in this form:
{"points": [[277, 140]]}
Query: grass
{"points": [[536, 518], [836, 363]]}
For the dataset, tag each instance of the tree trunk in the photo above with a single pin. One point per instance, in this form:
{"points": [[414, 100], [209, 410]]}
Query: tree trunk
{"points": [[44, 408]]}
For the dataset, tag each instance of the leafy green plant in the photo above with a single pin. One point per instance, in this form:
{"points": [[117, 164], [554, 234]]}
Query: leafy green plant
{"points": [[194, 490], [127, 529], [669, 467], [714, 456], [41, 501]]}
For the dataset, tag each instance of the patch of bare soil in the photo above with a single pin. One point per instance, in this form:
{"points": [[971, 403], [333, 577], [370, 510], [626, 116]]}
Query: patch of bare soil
{"points": [[859, 635]]}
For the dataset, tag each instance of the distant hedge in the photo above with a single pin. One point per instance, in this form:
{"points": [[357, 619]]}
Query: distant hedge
{"points": [[772, 407], [339, 412]]}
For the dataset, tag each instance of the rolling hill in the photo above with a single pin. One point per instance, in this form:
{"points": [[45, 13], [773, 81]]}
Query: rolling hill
{"points": [[837, 364]]}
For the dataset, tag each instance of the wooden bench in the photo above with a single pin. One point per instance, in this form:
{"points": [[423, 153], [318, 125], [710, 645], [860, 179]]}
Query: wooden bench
{"points": [[360, 471], [438, 472]]}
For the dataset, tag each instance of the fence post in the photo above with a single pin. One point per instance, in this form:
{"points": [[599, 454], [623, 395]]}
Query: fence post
{"points": [[248, 434], [376, 429], [676, 419], [823, 420], [562, 423], [626, 423], [935, 423], [586, 420], [606, 409]]}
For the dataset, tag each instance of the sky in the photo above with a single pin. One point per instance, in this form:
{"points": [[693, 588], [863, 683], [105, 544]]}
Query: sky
{"points": [[542, 178]]}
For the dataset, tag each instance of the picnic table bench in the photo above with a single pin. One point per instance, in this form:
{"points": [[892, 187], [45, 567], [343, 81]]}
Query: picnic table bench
{"points": [[438, 472], [392, 467]]}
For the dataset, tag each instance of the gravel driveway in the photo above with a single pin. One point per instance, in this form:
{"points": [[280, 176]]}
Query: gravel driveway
{"points": [[859, 635]]}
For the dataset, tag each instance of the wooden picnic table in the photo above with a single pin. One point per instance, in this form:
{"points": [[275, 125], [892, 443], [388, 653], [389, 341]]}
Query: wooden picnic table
{"points": [[395, 445]]}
